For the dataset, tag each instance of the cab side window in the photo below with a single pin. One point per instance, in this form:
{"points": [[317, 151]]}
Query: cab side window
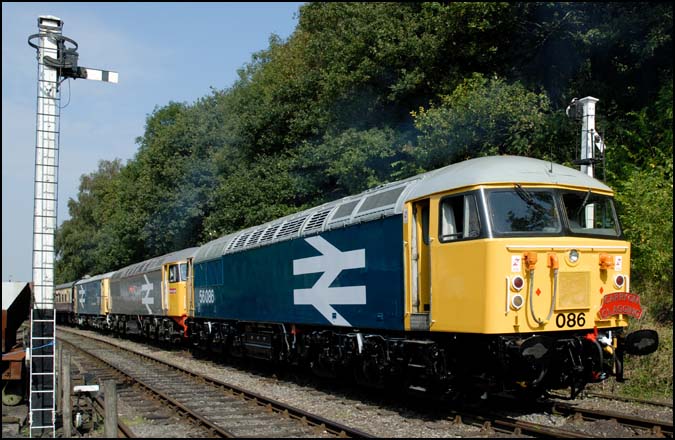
{"points": [[425, 224], [173, 273], [459, 218]]}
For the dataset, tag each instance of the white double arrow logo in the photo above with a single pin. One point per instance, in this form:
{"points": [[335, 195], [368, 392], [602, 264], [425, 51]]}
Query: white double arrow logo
{"points": [[331, 262], [147, 299], [82, 295]]}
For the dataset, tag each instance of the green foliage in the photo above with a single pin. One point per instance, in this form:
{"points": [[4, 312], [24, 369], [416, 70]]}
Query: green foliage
{"points": [[644, 183], [352, 161], [644, 137], [252, 195], [78, 239], [616, 51], [481, 117], [647, 216], [377, 61]]}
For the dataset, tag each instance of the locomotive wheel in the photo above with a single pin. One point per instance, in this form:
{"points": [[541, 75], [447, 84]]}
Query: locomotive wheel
{"points": [[12, 393]]}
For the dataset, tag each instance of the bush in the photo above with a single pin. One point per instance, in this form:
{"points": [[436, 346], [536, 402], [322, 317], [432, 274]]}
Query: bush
{"points": [[646, 202]]}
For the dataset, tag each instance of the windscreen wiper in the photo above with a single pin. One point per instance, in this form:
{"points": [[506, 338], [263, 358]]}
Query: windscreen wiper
{"points": [[583, 203], [528, 198], [524, 194]]}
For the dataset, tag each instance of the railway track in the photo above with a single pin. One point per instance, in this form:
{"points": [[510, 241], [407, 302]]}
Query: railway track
{"points": [[505, 414], [657, 427], [565, 420], [140, 404], [579, 423], [221, 409]]}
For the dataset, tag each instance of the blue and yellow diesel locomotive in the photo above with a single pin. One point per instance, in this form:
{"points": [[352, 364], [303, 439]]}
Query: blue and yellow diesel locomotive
{"points": [[496, 273]]}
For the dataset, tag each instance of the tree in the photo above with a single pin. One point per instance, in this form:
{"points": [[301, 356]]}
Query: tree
{"points": [[262, 191], [77, 239], [481, 117]]}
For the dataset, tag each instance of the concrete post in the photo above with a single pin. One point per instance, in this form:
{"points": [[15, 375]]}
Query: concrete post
{"points": [[67, 404], [110, 390]]}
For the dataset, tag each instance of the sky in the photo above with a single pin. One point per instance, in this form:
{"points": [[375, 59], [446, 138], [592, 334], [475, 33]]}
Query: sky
{"points": [[163, 52]]}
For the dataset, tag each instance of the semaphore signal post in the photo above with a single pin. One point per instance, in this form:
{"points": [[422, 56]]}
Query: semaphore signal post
{"points": [[56, 62]]}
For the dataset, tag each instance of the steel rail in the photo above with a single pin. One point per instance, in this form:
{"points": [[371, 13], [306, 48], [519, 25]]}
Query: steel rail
{"points": [[209, 426], [655, 426], [315, 420]]}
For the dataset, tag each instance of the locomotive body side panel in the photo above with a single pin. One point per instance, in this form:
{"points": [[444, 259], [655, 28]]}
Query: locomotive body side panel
{"points": [[143, 288], [350, 276], [139, 294], [88, 297]]}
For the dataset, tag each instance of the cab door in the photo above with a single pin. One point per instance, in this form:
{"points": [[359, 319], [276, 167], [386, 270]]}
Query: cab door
{"points": [[174, 291], [420, 268], [177, 284], [188, 274], [457, 263]]}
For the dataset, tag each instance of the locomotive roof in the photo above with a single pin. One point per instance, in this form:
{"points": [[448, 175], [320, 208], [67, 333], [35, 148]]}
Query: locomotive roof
{"points": [[64, 285], [502, 169], [94, 278], [388, 199], [153, 264]]}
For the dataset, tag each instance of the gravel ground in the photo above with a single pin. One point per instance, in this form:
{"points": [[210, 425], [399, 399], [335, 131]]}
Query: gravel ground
{"points": [[367, 413]]}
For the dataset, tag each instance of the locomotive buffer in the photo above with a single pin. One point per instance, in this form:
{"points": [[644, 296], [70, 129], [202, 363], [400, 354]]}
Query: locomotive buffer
{"points": [[56, 62]]}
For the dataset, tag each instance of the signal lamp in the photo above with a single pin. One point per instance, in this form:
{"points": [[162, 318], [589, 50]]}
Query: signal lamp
{"points": [[517, 301], [619, 281], [517, 283]]}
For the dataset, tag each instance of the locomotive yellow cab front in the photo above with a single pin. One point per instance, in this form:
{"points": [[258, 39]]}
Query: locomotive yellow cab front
{"points": [[517, 258]]}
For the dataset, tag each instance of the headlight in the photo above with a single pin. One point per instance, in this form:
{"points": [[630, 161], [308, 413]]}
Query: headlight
{"points": [[574, 256]]}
